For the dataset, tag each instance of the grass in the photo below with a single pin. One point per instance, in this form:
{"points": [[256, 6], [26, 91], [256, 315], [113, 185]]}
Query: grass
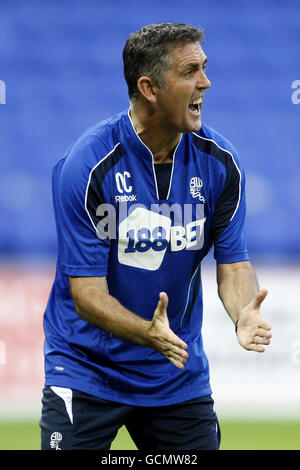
{"points": [[272, 435], [262, 435]]}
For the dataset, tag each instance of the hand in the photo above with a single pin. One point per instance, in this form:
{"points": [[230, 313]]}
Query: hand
{"points": [[252, 330], [163, 339]]}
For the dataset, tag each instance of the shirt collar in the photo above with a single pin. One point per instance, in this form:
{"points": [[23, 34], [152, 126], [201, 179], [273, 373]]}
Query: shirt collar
{"points": [[133, 140]]}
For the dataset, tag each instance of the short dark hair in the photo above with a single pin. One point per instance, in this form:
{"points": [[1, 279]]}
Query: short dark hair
{"points": [[146, 51]]}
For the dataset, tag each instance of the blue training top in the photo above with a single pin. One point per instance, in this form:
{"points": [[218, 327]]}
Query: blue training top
{"points": [[110, 222]]}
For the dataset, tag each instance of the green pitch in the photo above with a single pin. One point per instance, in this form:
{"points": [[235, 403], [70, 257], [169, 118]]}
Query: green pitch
{"points": [[272, 435]]}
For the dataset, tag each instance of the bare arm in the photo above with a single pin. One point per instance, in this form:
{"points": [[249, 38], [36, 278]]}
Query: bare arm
{"points": [[241, 297], [97, 306]]}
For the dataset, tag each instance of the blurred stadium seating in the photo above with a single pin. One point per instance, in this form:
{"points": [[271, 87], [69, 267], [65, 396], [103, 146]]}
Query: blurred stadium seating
{"points": [[62, 66], [61, 62]]}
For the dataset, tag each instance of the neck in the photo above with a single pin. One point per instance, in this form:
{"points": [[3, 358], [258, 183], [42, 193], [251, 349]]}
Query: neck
{"points": [[154, 135]]}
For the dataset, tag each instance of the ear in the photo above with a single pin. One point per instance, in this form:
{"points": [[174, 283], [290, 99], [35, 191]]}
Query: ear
{"points": [[147, 88]]}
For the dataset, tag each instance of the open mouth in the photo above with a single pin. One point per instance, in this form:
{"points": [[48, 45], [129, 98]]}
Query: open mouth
{"points": [[194, 106]]}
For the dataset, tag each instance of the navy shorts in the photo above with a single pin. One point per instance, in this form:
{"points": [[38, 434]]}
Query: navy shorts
{"points": [[72, 420]]}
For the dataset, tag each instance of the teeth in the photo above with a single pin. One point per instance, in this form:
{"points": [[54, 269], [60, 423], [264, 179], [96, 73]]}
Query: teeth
{"points": [[197, 101]]}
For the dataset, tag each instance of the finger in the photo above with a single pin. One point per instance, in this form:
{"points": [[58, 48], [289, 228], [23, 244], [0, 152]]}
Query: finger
{"points": [[163, 296], [260, 297], [261, 340], [173, 344], [179, 365], [179, 346], [177, 357], [256, 347], [176, 362], [264, 325], [162, 303], [265, 333], [178, 353]]}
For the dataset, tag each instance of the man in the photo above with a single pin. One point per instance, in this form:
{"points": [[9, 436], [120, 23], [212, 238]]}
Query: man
{"points": [[139, 201]]}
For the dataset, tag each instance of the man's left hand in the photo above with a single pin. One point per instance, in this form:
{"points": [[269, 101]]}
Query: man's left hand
{"points": [[253, 332]]}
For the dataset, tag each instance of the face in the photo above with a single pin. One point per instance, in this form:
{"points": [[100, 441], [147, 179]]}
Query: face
{"points": [[179, 102]]}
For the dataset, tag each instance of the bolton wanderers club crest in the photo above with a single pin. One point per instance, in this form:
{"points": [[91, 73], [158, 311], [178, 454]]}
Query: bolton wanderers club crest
{"points": [[196, 185]]}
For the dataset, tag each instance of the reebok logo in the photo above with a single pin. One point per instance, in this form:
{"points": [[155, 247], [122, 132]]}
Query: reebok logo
{"points": [[125, 198]]}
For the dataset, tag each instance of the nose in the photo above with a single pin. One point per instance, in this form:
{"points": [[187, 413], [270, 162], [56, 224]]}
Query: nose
{"points": [[203, 81]]}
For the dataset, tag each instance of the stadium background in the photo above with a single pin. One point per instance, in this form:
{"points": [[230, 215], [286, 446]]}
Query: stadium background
{"points": [[61, 63]]}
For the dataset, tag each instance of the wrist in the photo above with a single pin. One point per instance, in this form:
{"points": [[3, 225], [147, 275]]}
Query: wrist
{"points": [[145, 333]]}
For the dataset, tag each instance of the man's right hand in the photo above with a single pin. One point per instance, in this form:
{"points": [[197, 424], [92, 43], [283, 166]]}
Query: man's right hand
{"points": [[95, 305], [163, 339]]}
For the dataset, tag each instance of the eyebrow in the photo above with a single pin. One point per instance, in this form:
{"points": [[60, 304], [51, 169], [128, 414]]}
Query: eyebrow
{"points": [[195, 65]]}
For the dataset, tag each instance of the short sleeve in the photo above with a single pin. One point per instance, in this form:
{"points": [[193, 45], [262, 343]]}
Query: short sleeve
{"points": [[81, 251], [229, 219]]}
